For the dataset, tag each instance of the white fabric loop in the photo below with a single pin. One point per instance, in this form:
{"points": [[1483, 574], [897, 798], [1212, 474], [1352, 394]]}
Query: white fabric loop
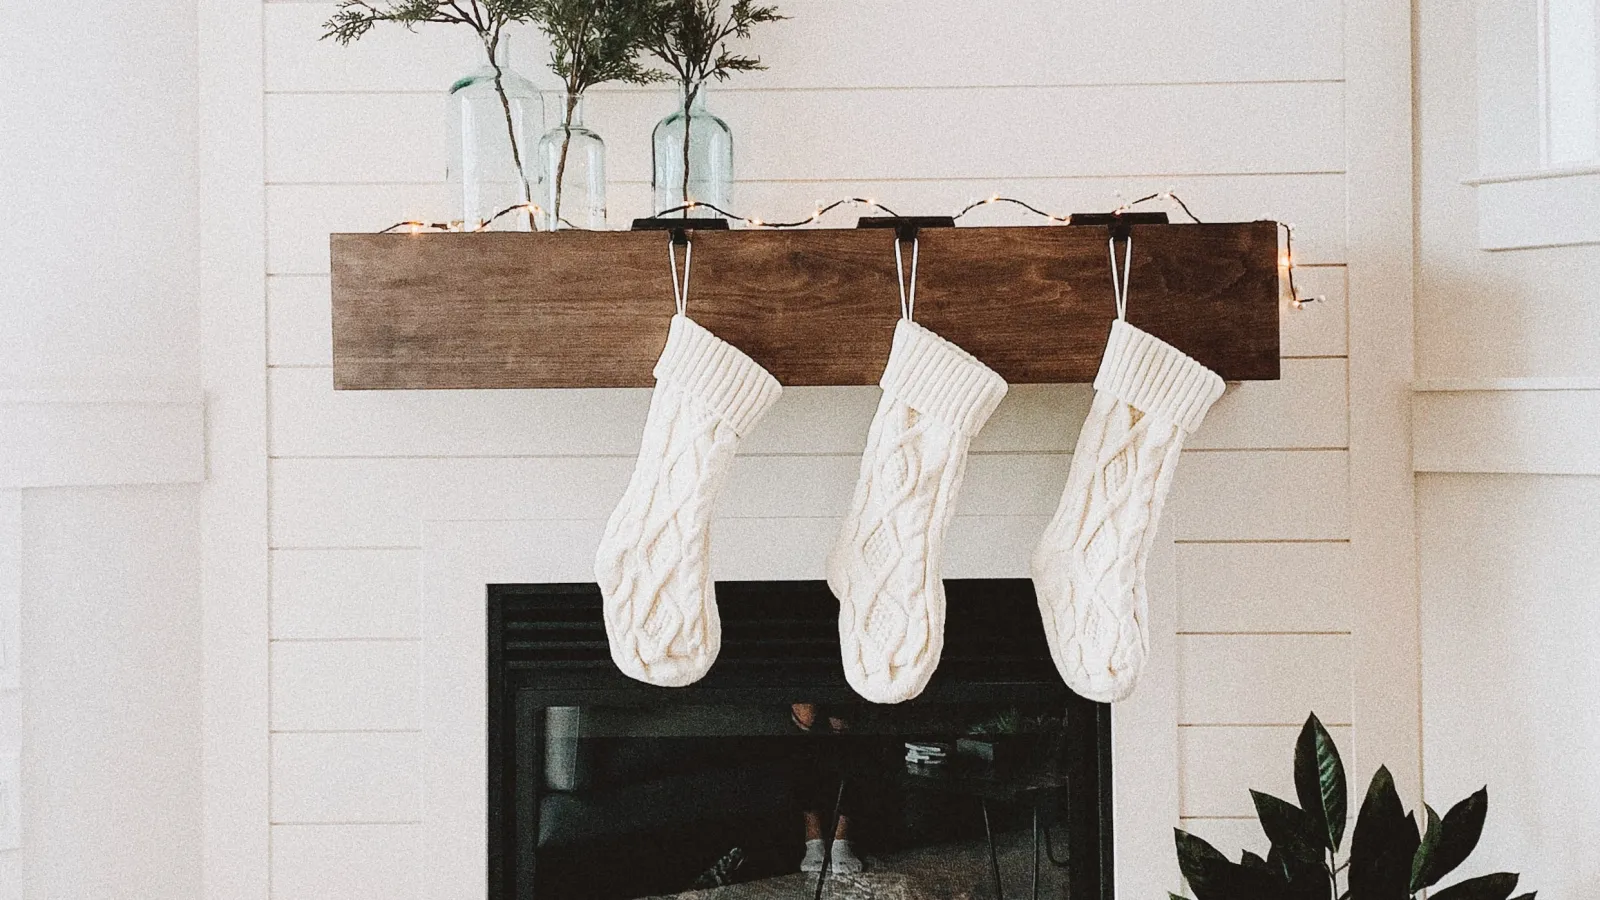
{"points": [[680, 292], [908, 300], [1119, 286]]}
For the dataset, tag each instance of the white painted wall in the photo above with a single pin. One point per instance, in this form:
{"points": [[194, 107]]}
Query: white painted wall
{"points": [[98, 386], [1508, 348], [1243, 108]]}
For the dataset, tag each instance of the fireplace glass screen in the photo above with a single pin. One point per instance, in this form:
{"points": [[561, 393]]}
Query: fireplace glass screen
{"points": [[993, 783]]}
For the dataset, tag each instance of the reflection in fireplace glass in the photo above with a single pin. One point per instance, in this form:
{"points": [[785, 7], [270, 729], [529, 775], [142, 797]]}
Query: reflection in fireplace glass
{"points": [[640, 802]]}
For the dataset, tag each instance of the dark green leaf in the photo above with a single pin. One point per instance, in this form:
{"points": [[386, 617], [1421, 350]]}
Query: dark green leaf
{"points": [[1319, 782], [1253, 861], [1458, 836], [1488, 887], [1430, 843], [1384, 844], [1288, 827], [1528, 896], [1212, 876]]}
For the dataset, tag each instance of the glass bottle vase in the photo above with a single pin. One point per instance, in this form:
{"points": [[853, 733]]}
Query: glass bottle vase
{"points": [[572, 170], [496, 116], [692, 156]]}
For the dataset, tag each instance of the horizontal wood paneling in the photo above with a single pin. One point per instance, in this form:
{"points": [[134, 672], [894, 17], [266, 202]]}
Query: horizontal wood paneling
{"points": [[345, 686], [1306, 409], [345, 862], [1145, 130], [891, 44], [1263, 587], [349, 777], [1220, 765], [319, 594], [1249, 495], [300, 217], [1536, 432], [1237, 679], [380, 502], [1262, 496], [1317, 328]]}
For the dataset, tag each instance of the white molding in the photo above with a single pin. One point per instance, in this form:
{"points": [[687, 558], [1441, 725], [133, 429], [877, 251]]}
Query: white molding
{"points": [[10, 603], [53, 440], [1459, 385], [1145, 767], [234, 568], [1549, 211], [1508, 431], [1532, 175], [1386, 638], [460, 559], [10, 800]]}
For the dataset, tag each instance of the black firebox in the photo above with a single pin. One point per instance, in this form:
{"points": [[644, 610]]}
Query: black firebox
{"points": [[603, 788]]}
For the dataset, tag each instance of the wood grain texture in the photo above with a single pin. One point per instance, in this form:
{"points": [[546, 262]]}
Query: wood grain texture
{"points": [[815, 307]]}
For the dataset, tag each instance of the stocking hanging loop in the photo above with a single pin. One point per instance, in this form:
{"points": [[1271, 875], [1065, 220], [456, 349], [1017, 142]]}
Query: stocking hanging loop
{"points": [[908, 299], [1119, 285], [680, 289]]}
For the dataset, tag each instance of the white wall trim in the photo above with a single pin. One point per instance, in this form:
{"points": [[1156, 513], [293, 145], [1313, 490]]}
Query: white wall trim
{"points": [[1448, 385], [1386, 634], [234, 568], [1539, 210], [460, 559], [50, 440], [10, 670], [1508, 431]]}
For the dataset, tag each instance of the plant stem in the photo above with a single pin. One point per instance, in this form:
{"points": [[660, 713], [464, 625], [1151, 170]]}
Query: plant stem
{"points": [[561, 164], [491, 43], [689, 94]]}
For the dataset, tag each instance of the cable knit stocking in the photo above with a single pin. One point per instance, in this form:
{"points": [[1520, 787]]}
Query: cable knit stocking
{"points": [[885, 566], [1089, 567], [654, 561]]}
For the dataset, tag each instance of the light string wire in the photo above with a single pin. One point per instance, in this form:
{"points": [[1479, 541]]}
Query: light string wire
{"points": [[535, 213]]}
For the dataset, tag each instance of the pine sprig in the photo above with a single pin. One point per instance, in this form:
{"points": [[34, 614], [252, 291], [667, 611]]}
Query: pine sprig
{"points": [[594, 41], [690, 37]]}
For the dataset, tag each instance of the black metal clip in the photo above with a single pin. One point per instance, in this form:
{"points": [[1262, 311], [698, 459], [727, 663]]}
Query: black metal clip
{"points": [[1120, 223], [906, 227], [679, 227]]}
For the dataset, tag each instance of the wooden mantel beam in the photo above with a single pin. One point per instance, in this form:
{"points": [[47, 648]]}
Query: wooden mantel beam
{"points": [[815, 306]]}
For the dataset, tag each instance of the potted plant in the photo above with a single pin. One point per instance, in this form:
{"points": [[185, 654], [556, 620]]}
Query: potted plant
{"points": [[1390, 856], [692, 150], [492, 158], [591, 42]]}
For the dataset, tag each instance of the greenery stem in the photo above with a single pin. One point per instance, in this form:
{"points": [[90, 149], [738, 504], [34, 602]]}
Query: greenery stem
{"points": [[491, 43], [689, 93], [561, 163]]}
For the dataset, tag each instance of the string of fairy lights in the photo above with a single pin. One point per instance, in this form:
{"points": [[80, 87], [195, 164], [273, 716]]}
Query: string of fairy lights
{"points": [[535, 214]]}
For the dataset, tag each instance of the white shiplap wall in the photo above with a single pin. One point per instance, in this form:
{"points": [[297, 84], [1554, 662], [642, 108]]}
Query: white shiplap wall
{"points": [[1239, 107]]}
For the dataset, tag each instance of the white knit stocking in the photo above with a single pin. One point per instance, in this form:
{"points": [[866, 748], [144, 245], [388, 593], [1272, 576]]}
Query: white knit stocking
{"points": [[653, 565], [885, 566], [1089, 566]]}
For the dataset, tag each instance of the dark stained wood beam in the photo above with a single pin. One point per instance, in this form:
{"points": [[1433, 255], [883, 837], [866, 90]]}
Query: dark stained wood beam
{"points": [[815, 306]]}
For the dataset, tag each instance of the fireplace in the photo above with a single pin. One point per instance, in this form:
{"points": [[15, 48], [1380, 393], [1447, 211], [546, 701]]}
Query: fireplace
{"points": [[601, 787]]}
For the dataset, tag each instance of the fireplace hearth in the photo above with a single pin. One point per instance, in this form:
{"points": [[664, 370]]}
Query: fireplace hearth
{"points": [[603, 788]]}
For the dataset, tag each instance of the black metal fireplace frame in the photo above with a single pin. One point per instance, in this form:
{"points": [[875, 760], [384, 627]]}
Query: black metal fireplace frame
{"points": [[546, 648]]}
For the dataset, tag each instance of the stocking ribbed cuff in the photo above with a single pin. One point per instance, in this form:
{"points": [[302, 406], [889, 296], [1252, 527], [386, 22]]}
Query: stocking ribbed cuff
{"points": [[939, 379], [717, 374], [1156, 378]]}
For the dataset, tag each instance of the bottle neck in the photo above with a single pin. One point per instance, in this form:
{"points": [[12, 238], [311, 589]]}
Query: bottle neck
{"points": [[575, 104], [692, 97], [502, 53]]}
